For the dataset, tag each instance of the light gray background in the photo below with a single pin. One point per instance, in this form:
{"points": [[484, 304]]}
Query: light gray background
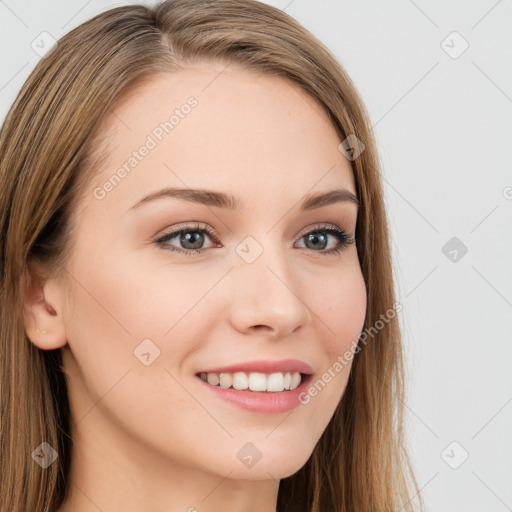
{"points": [[444, 131]]}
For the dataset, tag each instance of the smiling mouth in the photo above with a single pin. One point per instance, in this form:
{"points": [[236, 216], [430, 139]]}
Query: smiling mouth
{"points": [[255, 381]]}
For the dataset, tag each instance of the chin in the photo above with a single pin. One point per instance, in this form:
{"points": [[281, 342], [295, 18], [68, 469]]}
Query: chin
{"points": [[261, 471], [278, 464]]}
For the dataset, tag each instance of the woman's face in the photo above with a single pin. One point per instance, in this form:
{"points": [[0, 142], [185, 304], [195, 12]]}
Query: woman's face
{"points": [[149, 313]]}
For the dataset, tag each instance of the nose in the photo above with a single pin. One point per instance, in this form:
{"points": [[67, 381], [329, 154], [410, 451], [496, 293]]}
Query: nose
{"points": [[267, 298]]}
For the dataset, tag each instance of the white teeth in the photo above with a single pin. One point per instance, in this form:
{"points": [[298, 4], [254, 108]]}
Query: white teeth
{"points": [[295, 380], [257, 381], [240, 380], [254, 381], [226, 380], [275, 382]]}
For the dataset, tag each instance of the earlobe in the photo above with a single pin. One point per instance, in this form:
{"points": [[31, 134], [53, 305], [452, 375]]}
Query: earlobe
{"points": [[43, 324]]}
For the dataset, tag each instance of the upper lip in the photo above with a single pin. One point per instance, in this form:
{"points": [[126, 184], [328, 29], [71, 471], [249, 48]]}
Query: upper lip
{"points": [[284, 365]]}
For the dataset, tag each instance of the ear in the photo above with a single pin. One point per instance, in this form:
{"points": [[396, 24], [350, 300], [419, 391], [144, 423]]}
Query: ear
{"points": [[42, 319]]}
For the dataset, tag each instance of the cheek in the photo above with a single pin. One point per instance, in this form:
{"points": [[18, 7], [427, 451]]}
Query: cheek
{"points": [[341, 306], [126, 308], [134, 298]]}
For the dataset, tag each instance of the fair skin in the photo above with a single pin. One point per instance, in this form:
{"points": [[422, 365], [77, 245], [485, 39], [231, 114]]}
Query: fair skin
{"points": [[150, 438]]}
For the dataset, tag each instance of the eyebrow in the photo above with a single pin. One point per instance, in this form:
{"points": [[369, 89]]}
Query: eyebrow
{"points": [[222, 200]]}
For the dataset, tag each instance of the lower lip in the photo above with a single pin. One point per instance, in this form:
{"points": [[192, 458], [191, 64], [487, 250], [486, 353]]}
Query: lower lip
{"points": [[267, 402]]}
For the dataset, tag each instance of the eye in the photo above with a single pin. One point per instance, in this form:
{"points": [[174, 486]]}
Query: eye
{"points": [[318, 239], [192, 239]]}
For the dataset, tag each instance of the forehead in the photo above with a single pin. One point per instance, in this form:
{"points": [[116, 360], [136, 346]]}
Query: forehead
{"points": [[211, 125]]}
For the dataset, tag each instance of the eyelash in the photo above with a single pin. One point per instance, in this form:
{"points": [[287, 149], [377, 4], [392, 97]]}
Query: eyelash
{"points": [[344, 239]]}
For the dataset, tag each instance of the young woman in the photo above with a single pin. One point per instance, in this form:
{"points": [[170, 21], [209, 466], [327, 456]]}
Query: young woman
{"points": [[197, 303]]}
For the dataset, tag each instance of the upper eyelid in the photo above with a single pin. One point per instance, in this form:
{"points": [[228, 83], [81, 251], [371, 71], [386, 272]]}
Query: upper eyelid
{"points": [[187, 227]]}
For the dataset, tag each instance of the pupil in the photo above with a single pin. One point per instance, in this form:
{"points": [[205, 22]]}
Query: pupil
{"points": [[314, 238], [194, 237]]}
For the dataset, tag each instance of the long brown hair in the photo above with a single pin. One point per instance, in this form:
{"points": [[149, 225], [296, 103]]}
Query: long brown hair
{"points": [[48, 145]]}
